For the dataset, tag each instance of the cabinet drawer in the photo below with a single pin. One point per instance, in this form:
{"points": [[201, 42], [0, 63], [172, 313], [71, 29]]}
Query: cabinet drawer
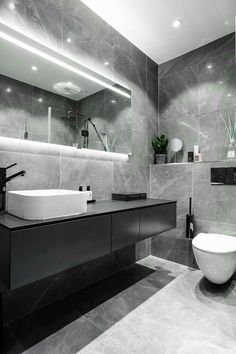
{"points": [[125, 229], [154, 220], [42, 251]]}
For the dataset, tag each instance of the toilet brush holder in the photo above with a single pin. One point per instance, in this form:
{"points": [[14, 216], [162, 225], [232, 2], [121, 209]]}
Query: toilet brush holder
{"points": [[190, 222]]}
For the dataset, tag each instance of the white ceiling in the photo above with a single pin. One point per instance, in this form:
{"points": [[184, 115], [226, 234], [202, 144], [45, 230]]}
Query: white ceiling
{"points": [[148, 23]]}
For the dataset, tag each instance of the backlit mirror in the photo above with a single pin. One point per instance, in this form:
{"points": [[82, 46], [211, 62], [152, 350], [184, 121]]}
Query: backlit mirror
{"points": [[48, 97]]}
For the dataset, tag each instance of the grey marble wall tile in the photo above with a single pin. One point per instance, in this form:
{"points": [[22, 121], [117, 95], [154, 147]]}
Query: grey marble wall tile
{"points": [[208, 139], [140, 147], [213, 203], [174, 249], [86, 45], [204, 194], [39, 19], [209, 226], [178, 94], [139, 121], [172, 182], [188, 60], [217, 83], [130, 178], [97, 174], [42, 171], [143, 249], [129, 69], [152, 133], [186, 128], [152, 67], [221, 131], [152, 96], [224, 45], [209, 90], [86, 16]]}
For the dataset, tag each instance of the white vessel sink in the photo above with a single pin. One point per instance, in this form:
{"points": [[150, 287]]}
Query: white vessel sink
{"points": [[46, 203]]}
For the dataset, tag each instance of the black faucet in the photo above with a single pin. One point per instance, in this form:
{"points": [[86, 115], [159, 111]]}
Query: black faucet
{"points": [[3, 180]]}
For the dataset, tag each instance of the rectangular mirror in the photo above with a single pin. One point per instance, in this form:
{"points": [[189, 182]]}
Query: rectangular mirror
{"points": [[48, 97]]}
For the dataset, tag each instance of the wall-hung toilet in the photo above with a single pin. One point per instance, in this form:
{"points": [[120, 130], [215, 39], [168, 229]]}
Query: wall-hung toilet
{"points": [[216, 256]]}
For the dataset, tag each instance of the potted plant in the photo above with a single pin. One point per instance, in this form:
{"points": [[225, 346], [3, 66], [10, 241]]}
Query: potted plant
{"points": [[159, 145]]}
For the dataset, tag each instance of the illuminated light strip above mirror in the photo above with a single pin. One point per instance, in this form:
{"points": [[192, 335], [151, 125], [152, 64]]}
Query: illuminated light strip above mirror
{"points": [[60, 63], [35, 147]]}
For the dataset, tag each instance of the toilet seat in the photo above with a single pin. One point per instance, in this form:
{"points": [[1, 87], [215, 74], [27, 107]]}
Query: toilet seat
{"points": [[215, 243]]}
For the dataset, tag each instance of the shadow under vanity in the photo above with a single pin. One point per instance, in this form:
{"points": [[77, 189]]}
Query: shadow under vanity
{"points": [[33, 250]]}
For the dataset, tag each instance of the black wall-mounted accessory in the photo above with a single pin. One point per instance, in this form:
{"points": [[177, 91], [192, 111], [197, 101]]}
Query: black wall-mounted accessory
{"points": [[190, 156], [3, 181], [129, 196], [190, 222], [223, 175]]}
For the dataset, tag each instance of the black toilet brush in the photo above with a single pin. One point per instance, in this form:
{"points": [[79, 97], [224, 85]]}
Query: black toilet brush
{"points": [[190, 222]]}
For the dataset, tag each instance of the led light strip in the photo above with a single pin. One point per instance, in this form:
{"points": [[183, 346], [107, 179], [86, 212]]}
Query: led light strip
{"points": [[60, 63], [36, 147]]}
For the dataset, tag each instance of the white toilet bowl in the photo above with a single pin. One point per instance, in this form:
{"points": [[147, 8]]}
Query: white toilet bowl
{"points": [[216, 256]]}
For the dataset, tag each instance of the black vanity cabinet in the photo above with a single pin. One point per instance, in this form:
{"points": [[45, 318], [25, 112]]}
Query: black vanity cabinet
{"points": [[157, 219], [45, 250], [125, 229], [33, 250]]}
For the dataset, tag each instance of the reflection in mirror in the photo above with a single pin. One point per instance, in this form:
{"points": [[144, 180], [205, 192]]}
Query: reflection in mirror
{"points": [[47, 97]]}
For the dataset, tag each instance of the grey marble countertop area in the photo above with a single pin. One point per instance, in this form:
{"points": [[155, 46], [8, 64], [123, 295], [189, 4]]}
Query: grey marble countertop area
{"points": [[99, 208]]}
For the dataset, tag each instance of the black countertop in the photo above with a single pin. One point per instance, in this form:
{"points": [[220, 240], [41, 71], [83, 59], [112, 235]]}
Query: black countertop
{"points": [[99, 208]]}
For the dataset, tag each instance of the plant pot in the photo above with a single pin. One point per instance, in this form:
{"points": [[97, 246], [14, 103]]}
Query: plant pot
{"points": [[160, 158]]}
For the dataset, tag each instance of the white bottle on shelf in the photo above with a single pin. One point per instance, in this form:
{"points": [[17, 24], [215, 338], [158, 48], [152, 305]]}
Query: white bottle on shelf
{"points": [[89, 193]]}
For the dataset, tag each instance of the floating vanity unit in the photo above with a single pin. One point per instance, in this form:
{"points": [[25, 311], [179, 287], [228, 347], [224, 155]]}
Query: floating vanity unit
{"points": [[31, 250]]}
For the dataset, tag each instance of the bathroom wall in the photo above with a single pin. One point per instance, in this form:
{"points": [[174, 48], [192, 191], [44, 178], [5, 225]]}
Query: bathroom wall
{"points": [[191, 97], [93, 43], [194, 90]]}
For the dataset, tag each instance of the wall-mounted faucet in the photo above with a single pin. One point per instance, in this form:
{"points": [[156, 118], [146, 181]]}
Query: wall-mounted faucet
{"points": [[3, 181]]}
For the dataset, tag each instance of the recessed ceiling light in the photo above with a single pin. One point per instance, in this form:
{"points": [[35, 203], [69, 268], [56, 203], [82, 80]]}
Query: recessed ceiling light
{"points": [[34, 68], [8, 89], [113, 101], [106, 63], [69, 83], [209, 66], [177, 23], [11, 6], [40, 99], [220, 82], [68, 40], [229, 95]]}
